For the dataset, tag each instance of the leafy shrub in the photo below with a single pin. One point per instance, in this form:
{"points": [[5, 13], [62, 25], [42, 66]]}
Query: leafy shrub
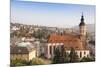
{"points": [[37, 61], [87, 59]]}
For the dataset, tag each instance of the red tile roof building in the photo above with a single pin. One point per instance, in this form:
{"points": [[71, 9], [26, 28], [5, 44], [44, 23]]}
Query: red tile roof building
{"points": [[78, 42]]}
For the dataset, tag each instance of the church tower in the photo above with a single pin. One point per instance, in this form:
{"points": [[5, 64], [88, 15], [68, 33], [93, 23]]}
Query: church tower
{"points": [[82, 27]]}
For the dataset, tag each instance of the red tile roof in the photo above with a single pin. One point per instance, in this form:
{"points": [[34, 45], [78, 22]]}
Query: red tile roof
{"points": [[69, 41]]}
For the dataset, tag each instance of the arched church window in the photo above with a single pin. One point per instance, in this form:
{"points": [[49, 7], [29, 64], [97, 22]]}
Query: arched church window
{"points": [[50, 49], [84, 52], [80, 54]]}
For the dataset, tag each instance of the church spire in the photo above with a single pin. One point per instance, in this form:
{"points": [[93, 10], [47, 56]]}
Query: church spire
{"points": [[82, 18], [82, 21], [82, 27]]}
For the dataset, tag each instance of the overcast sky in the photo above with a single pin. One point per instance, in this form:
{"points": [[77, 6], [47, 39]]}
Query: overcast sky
{"points": [[51, 14]]}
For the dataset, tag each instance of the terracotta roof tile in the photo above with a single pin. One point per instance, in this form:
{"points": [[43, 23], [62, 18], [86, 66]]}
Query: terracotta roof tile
{"points": [[68, 40]]}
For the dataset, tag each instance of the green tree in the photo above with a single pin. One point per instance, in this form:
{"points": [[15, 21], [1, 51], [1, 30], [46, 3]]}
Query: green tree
{"points": [[64, 55], [73, 56], [57, 56], [87, 59], [37, 61], [18, 62], [61, 56]]}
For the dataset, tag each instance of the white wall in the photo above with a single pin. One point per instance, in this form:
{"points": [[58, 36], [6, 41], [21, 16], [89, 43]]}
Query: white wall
{"points": [[32, 55], [87, 53]]}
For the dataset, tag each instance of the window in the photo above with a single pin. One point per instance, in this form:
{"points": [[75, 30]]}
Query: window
{"points": [[50, 49], [84, 52], [54, 48], [80, 54]]}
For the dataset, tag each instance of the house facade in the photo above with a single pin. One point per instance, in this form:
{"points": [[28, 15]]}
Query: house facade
{"points": [[23, 53]]}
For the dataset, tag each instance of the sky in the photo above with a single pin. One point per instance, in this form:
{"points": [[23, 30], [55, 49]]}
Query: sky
{"points": [[51, 14]]}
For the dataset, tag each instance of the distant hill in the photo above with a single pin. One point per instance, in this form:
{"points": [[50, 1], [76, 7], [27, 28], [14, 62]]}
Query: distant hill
{"points": [[90, 27]]}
